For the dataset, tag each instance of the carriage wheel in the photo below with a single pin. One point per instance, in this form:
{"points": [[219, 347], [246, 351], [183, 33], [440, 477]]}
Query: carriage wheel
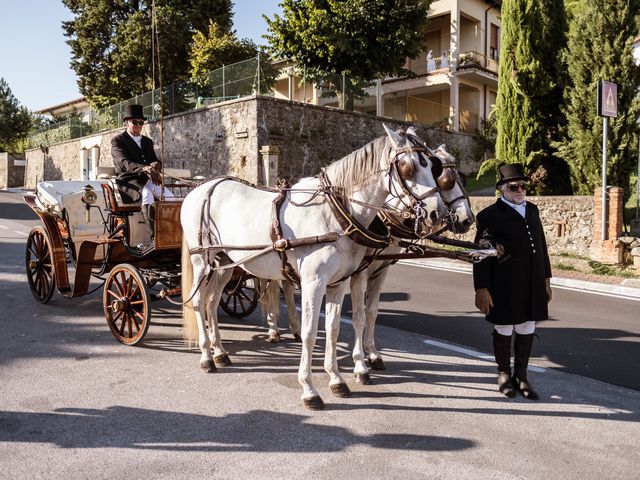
{"points": [[239, 299], [127, 305], [40, 270]]}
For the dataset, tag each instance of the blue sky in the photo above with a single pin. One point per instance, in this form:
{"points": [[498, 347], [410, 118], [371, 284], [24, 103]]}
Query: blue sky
{"points": [[34, 58]]}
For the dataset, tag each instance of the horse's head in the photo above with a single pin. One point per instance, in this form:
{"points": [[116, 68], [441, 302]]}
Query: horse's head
{"points": [[412, 183], [459, 217]]}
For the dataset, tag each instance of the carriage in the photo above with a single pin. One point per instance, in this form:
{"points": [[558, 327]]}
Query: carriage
{"points": [[87, 231]]}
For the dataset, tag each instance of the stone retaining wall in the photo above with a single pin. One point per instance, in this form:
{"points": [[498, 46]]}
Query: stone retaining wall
{"points": [[226, 139], [567, 221]]}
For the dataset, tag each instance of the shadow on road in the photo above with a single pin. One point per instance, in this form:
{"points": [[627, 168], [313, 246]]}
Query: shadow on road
{"points": [[253, 431]]}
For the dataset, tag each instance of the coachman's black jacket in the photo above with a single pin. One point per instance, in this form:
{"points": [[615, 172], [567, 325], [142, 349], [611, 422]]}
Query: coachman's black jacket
{"points": [[516, 279], [129, 160]]}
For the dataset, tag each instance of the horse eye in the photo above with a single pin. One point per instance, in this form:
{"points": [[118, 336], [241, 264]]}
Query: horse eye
{"points": [[423, 161]]}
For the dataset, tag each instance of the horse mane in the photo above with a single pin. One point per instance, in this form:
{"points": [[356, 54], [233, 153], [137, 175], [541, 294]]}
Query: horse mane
{"points": [[359, 167]]}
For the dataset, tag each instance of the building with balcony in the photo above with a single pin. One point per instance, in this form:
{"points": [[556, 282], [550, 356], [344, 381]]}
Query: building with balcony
{"points": [[456, 77]]}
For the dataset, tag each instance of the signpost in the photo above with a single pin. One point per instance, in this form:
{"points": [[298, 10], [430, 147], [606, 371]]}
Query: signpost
{"points": [[607, 106]]}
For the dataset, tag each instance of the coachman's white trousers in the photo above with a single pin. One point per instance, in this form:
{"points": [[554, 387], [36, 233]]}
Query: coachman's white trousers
{"points": [[150, 192]]}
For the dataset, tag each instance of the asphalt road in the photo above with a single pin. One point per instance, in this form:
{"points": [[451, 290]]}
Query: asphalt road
{"points": [[591, 335], [75, 404], [587, 334]]}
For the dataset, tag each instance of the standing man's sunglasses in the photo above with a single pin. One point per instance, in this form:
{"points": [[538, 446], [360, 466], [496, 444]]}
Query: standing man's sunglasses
{"points": [[137, 122], [517, 186]]}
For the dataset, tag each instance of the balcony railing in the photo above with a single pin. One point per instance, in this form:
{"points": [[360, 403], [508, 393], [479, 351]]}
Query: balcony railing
{"points": [[473, 59]]}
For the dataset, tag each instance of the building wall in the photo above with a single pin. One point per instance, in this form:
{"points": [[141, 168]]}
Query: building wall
{"points": [[11, 170]]}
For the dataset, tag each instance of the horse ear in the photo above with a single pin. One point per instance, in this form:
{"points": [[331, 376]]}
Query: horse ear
{"points": [[412, 131], [443, 147], [395, 138]]}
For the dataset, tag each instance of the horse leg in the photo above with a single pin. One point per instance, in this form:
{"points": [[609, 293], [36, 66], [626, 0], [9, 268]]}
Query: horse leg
{"points": [[358, 292], [218, 282], [374, 287], [333, 308], [311, 299], [272, 304], [294, 320], [196, 311]]}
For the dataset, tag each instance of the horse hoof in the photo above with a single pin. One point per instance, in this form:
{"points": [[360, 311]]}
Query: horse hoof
{"points": [[273, 338], [340, 390], [297, 338], [314, 403], [222, 360], [377, 364], [363, 378], [208, 366]]}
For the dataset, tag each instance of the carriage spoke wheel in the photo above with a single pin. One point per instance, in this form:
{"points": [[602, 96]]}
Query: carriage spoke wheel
{"points": [[40, 270], [239, 298], [126, 304]]}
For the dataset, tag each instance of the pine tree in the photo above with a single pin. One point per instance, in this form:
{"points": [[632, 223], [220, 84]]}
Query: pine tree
{"points": [[530, 85], [600, 41]]}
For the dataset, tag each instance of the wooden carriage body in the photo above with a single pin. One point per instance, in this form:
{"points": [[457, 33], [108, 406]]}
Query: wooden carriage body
{"points": [[87, 233]]}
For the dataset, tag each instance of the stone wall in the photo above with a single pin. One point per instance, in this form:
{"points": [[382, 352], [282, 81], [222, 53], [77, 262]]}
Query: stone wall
{"points": [[226, 139], [11, 170], [311, 137], [567, 221]]}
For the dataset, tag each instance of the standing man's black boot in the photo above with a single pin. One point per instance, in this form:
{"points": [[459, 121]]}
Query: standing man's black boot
{"points": [[522, 352], [502, 353]]}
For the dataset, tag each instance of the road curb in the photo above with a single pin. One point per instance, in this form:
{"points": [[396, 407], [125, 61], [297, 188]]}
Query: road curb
{"points": [[622, 291]]}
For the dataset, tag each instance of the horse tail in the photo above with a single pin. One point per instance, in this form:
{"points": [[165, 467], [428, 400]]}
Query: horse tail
{"points": [[189, 321]]}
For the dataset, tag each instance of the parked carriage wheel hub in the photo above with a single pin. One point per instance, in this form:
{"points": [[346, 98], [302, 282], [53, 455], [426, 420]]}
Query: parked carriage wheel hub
{"points": [[118, 305]]}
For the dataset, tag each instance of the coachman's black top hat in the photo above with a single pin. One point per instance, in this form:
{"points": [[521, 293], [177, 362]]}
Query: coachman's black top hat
{"points": [[510, 173], [133, 111]]}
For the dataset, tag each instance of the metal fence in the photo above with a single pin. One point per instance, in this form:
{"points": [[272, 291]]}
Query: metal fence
{"points": [[229, 82]]}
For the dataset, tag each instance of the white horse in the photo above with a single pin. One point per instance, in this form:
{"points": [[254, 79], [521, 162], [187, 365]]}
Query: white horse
{"points": [[367, 284], [223, 214]]}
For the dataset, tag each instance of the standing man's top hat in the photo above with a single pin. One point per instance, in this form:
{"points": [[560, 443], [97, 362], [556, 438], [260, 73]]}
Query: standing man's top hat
{"points": [[133, 111], [510, 173]]}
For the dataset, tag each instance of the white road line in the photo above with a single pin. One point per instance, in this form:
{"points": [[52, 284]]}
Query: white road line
{"points": [[6, 228], [454, 348], [472, 353], [581, 286]]}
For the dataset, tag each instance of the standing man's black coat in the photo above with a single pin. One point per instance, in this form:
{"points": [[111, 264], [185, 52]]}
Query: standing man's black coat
{"points": [[516, 281], [129, 161]]}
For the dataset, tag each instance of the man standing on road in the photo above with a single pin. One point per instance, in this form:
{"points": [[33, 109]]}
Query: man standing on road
{"points": [[513, 289], [137, 164]]}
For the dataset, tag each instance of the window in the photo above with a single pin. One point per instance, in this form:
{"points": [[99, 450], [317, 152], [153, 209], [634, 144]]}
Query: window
{"points": [[494, 42]]}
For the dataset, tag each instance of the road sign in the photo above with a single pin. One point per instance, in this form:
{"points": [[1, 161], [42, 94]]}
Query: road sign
{"points": [[607, 99]]}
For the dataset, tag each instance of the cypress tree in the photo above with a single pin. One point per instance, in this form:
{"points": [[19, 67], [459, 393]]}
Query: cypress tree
{"points": [[600, 41], [531, 81]]}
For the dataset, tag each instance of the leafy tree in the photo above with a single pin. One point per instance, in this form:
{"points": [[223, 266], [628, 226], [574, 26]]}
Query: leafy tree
{"points": [[360, 39], [111, 42], [600, 41], [15, 120], [217, 48], [530, 85]]}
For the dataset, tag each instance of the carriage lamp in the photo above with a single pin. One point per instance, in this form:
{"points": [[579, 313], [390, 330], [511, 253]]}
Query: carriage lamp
{"points": [[89, 197]]}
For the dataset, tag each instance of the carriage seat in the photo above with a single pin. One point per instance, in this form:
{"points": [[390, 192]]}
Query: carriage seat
{"points": [[113, 200], [105, 173]]}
